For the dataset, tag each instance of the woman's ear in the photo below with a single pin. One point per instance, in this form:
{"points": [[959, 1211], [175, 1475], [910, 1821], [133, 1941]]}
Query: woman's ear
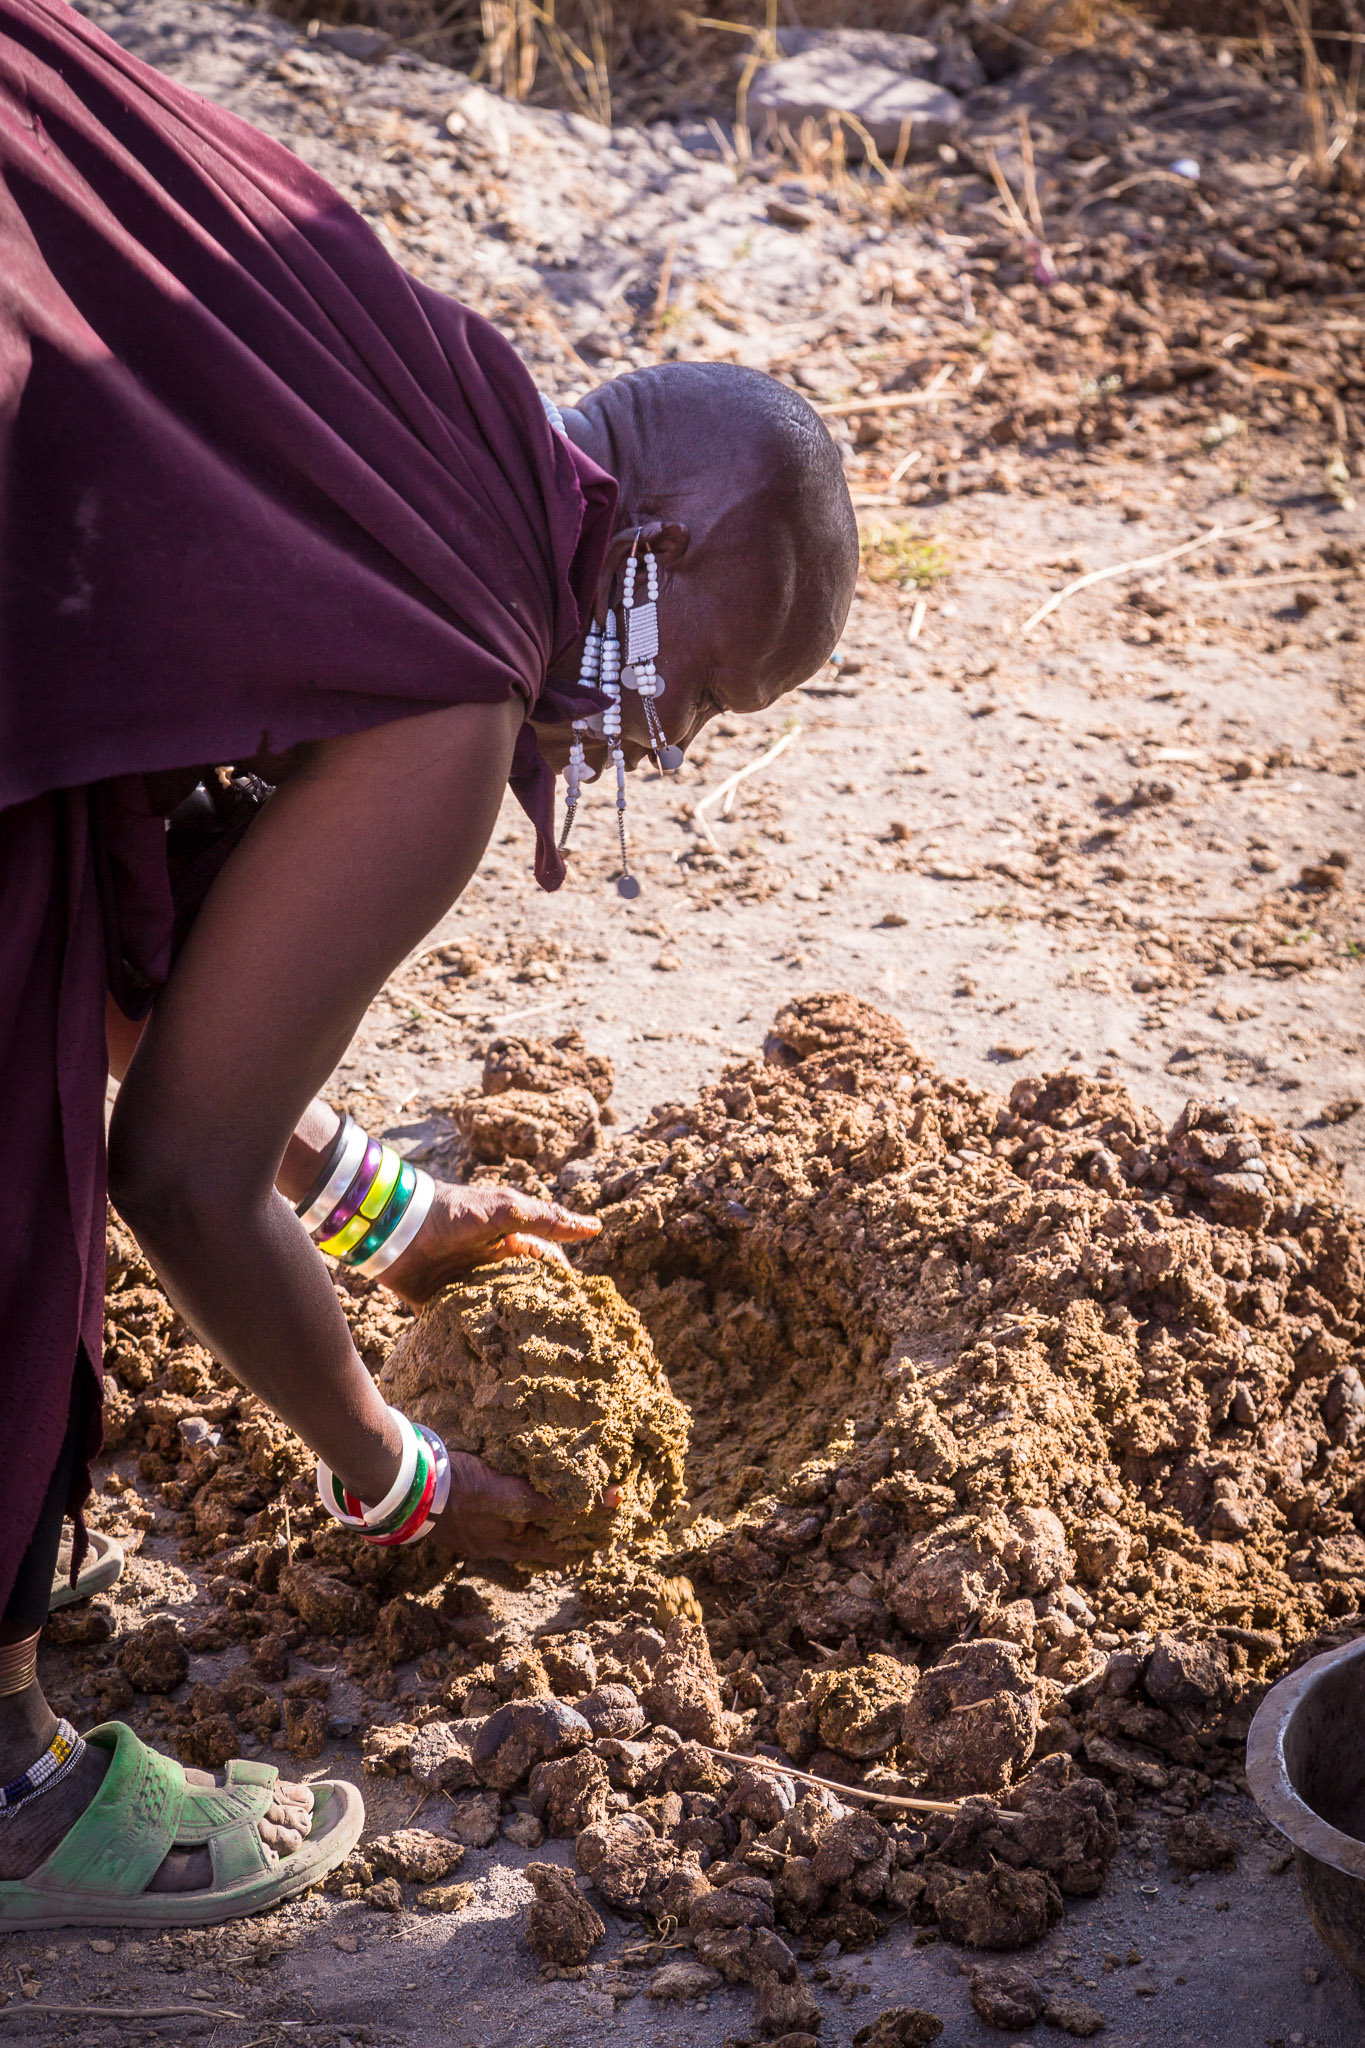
{"points": [[669, 543]]}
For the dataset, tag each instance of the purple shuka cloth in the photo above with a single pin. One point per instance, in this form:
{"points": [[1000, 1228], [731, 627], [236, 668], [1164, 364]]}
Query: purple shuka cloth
{"points": [[257, 486]]}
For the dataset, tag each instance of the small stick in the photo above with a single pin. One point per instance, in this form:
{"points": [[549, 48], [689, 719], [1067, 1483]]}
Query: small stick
{"points": [[1203, 540], [121, 2012], [1272, 577], [906, 462], [723, 792], [418, 1808], [889, 401], [829, 1784], [917, 618]]}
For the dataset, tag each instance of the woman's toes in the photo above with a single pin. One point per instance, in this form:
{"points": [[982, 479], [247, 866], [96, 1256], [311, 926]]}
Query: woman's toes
{"points": [[283, 1840]]}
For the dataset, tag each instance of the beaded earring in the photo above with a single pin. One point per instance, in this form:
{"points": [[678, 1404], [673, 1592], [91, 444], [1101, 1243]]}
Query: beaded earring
{"points": [[601, 669], [642, 645]]}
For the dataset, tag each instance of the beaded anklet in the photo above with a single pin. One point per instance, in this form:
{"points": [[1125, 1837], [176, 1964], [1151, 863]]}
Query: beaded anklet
{"points": [[411, 1505], [367, 1203], [57, 1761]]}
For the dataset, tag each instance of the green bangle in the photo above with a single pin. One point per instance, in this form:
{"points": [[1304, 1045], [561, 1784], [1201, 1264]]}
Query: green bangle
{"points": [[388, 1220]]}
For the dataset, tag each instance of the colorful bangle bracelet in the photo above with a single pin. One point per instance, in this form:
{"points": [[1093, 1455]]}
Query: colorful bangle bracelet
{"points": [[410, 1517], [382, 1186], [344, 1156], [355, 1194], [388, 1220], [405, 1230]]}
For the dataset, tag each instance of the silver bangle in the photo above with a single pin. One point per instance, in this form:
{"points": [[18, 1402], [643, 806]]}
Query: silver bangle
{"points": [[406, 1229]]}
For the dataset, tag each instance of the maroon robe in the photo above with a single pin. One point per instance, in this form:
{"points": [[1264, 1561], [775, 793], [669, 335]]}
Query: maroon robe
{"points": [[257, 486]]}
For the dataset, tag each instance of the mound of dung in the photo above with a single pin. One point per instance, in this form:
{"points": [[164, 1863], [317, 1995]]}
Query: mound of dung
{"points": [[1030, 1384], [549, 1375]]}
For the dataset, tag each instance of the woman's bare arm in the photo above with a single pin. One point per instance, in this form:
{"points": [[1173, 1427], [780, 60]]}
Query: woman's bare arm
{"points": [[464, 1227], [356, 857]]}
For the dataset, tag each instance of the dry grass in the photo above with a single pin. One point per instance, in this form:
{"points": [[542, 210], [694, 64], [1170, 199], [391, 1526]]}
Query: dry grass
{"points": [[651, 59]]}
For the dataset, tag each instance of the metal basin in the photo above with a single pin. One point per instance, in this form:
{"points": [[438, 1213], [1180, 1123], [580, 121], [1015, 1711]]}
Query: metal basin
{"points": [[1306, 1770]]}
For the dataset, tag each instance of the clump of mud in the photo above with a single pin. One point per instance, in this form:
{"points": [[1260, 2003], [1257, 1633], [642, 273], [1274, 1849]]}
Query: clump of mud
{"points": [[1036, 1371], [552, 1377]]}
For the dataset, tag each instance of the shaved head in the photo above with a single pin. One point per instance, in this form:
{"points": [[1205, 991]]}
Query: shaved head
{"points": [[734, 483]]}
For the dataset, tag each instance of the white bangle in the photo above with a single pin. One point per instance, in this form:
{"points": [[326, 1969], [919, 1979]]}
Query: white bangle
{"points": [[411, 1221], [407, 1472], [347, 1166]]}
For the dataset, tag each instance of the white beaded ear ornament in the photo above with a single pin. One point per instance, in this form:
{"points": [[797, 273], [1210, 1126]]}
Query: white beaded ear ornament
{"points": [[601, 669]]}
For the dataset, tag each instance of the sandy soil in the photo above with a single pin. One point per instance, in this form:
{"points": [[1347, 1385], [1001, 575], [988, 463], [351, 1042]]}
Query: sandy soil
{"points": [[1080, 846]]}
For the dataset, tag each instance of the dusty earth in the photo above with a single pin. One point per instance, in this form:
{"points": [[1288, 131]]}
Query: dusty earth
{"points": [[1121, 846]]}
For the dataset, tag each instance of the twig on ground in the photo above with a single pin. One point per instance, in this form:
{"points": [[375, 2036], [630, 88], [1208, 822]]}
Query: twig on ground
{"points": [[1203, 540], [418, 1808], [889, 401], [917, 618], [1272, 577], [22, 2008], [768, 1763], [724, 792]]}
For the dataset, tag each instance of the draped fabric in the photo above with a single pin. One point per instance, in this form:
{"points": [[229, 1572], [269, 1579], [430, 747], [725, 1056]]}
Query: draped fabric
{"points": [[257, 486]]}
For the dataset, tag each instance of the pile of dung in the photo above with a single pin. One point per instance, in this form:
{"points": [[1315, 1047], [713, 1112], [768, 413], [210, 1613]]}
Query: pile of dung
{"points": [[550, 1376], [1028, 1384]]}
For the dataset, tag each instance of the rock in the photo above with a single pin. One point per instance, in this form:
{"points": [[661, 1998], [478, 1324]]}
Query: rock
{"points": [[786, 2008], [474, 1819], [612, 1710], [446, 1898], [325, 1604], [746, 1955], [1009, 1999], [1074, 2016], [974, 1717], [628, 1863], [900, 2026], [154, 1660], [571, 1792], [937, 1589], [305, 1728], [362, 45], [523, 1733], [684, 1980], [860, 1712], [544, 1130], [855, 1854], [523, 1830], [415, 1856], [825, 80], [684, 1691], [384, 1897], [1187, 1678], [912, 55], [1056, 1819], [441, 1756], [570, 1666], [561, 1926], [760, 1796], [1193, 1843], [744, 1902], [549, 1375], [999, 1909]]}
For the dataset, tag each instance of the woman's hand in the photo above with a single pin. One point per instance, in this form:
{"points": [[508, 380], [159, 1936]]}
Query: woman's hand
{"points": [[491, 1516], [470, 1226]]}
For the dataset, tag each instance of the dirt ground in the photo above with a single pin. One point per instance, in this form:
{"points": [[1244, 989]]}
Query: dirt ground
{"points": [[1126, 842]]}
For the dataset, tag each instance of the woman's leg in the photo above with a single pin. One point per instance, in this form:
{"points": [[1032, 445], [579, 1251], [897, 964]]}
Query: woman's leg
{"points": [[30, 1831]]}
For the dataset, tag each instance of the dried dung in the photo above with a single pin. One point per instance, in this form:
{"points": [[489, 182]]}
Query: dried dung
{"points": [[550, 1376], [996, 1382]]}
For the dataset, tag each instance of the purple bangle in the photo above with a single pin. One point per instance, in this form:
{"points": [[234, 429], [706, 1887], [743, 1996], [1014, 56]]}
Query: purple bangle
{"points": [[354, 1195]]}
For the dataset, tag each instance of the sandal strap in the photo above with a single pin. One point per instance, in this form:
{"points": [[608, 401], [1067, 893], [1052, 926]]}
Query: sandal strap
{"points": [[123, 1837], [145, 1808]]}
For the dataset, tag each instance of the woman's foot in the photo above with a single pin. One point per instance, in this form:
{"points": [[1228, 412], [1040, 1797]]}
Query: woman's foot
{"points": [[29, 1835]]}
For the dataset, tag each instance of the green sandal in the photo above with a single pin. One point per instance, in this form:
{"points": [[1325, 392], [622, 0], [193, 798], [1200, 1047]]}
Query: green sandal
{"points": [[98, 1874], [102, 1567]]}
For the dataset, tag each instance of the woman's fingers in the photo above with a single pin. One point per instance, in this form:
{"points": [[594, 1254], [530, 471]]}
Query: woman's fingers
{"points": [[524, 1214], [519, 1244]]}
